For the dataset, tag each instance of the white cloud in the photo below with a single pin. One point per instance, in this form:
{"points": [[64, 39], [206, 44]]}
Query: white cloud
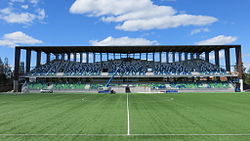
{"points": [[17, 0], [138, 15], [34, 1], [218, 40], [123, 41], [9, 16], [15, 38], [199, 30], [25, 6], [21, 1]]}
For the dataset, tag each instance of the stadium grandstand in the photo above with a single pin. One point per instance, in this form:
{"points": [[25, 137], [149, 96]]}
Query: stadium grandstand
{"points": [[196, 68]]}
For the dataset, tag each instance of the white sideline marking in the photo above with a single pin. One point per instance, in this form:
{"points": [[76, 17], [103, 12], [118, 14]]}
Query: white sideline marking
{"points": [[128, 133], [124, 134]]}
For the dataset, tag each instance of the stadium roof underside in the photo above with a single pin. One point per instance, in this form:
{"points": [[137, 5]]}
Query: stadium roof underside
{"points": [[128, 49]]}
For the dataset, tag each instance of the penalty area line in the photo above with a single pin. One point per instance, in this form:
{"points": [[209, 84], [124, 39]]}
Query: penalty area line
{"points": [[128, 132], [124, 134]]}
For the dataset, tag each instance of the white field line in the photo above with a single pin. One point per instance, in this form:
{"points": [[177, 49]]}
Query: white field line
{"points": [[128, 133], [124, 135]]}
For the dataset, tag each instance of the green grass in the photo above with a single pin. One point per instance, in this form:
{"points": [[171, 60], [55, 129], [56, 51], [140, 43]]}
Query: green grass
{"points": [[196, 113]]}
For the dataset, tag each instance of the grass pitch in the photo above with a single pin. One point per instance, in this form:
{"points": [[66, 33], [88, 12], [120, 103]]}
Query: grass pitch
{"points": [[197, 116]]}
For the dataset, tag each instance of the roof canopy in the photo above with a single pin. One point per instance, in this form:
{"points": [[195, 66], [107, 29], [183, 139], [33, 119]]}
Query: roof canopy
{"points": [[128, 49]]}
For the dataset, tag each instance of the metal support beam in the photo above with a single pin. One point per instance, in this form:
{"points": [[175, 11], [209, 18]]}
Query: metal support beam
{"points": [[68, 56], [217, 58], [75, 57], [160, 58], [173, 56], [167, 57], [57, 56], [16, 69], [186, 56], [207, 56], [227, 59], [180, 56], [153, 56], [47, 58], [198, 55], [28, 59], [80, 57], [239, 62], [94, 57], [191, 55], [62, 56], [38, 58]]}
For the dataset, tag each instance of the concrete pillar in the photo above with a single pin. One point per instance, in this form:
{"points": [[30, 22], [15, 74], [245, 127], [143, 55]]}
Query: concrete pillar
{"points": [[68, 56], [87, 57], [28, 58]]}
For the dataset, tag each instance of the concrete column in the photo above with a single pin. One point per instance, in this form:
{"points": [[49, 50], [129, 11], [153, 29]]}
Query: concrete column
{"points": [[227, 59], [87, 57], [38, 58], [217, 58], [147, 56], [16, 69], [107, 56], [47, 58], [140, 56], [100, 57], [28, 58], [68, 55]]}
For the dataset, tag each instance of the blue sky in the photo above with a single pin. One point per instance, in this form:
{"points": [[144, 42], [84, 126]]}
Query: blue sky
{"points": [[124, 22]]}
